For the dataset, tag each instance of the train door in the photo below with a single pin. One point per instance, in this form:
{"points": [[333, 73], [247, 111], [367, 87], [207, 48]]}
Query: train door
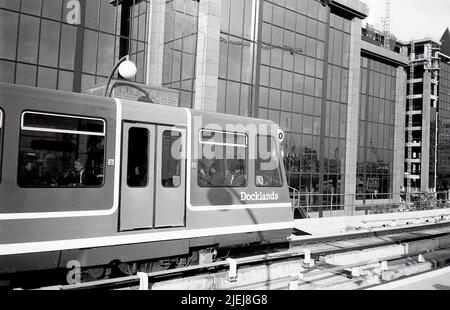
{"points": [[170, 181], [137, 184]]}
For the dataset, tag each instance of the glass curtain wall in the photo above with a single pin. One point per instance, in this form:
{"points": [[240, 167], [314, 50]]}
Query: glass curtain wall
{"points": [[236, 60], [180, 48], [291, 84], [376, 130], [443, 170], [39, 48], [303, 86], [335, 116]]}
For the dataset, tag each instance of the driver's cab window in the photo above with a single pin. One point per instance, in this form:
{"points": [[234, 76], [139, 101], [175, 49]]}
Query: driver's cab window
{"points": [[268, 172]]}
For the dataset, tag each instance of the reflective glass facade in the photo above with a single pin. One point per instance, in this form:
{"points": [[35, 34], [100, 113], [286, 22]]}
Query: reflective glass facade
{"points": [[237, 54], [443, 170], [302, 84], [285, 60], [180, 48], [376, 130], [43, 50]]}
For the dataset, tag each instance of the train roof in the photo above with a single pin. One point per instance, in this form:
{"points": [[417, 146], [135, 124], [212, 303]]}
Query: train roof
{"points": [[64, 97]]}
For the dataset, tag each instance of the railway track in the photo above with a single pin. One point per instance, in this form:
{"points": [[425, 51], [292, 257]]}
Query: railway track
{"points": [[341, 260]]}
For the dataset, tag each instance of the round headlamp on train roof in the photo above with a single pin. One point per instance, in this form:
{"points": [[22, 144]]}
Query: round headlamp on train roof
{"points": [[127, 69]]}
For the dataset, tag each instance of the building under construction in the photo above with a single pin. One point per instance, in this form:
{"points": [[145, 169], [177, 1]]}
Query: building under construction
{"points": [[427, 152]]}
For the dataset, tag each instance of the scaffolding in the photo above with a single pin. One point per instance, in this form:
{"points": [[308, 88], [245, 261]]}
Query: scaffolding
{"points": [[430, 61], [410, 121]]}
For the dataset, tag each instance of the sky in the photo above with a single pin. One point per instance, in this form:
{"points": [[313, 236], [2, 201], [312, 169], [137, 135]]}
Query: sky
{"points": [[412, 18]]}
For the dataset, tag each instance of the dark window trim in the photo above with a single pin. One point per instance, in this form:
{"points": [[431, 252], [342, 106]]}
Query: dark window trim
{"points": [[149, 145], [80, 132]]}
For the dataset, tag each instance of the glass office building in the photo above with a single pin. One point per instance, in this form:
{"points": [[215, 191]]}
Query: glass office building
{"points": [[443, 150], [40, 48], [296, 62]]}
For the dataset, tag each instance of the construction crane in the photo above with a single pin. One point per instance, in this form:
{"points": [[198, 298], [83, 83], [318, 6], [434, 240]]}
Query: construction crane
{"points": [[387, 25]]}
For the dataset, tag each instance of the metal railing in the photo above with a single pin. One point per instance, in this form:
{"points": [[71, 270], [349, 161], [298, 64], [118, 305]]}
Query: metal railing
{"points": [[313, 205]]}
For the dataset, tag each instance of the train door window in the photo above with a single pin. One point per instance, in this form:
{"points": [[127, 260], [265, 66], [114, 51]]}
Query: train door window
{"points": [[268, 172], [223, 161], [61, 151], [138, 150], [1, 142], [171, 159]]}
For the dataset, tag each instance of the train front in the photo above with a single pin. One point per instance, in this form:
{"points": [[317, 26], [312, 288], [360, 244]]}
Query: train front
{"points": [[238, 186]]}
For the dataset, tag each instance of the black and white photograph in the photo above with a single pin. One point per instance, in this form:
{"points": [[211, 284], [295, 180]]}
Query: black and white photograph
{"points": [[224, 150]]}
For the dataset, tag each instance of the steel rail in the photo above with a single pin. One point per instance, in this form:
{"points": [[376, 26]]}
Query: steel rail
{"points": [[266, 258]]}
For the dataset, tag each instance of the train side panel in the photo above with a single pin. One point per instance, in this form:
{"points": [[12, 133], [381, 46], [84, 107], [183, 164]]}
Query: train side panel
{"points": [[33, 212]]}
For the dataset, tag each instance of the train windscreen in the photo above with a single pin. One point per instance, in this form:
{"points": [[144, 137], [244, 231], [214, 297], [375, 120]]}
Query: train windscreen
{"points": [[223, 161], [268, 171]]}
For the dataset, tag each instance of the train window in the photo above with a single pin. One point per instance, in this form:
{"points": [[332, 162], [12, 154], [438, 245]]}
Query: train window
{"points": [[62, 123], [138, 150], [268, 172], [171, 159], [61, 151], [1, 142], [223, 161]]}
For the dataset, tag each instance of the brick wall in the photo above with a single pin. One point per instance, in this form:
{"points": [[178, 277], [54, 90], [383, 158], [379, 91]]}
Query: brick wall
{"points": [[137, 92]]}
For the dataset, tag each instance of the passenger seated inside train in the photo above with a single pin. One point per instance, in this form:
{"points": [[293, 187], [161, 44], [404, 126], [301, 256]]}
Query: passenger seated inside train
{"points": [[79, 176], [235, 176], [209, 173], [28, 172], [138, 176], [221, 173], [49, 172], [67, 151]]}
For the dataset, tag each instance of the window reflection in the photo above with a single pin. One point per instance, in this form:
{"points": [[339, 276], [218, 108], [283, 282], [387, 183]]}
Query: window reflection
{"points": [[52, 9], [224, 159], [7, 71], [376, 134], [28, 39], [60, 45], [49, 43], [171, 159], [180, 40], [26, 75], [267, 170], [8, 33]]}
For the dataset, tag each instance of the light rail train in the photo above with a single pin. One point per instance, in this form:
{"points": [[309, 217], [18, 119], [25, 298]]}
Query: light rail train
{"points": [[98, 181]]}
